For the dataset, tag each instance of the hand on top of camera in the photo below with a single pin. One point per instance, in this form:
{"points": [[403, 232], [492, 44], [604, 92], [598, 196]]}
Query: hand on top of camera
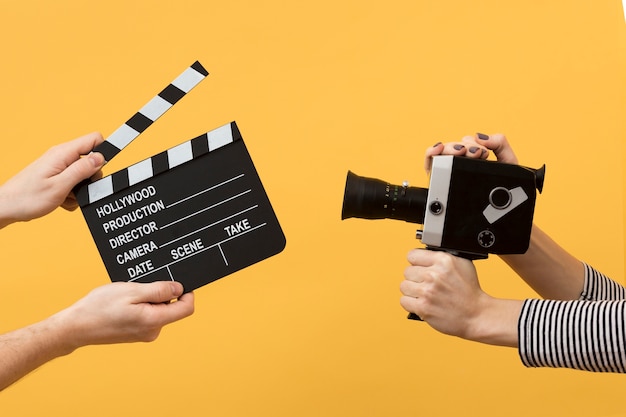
{"points": [[476, 146]]}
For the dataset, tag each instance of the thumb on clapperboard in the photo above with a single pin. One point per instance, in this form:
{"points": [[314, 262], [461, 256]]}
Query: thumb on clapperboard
{"points": [[158, 292], [84, 168]]}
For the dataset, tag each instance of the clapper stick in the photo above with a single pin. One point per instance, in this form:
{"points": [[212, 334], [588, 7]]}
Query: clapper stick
{"points": [[154, 109]]}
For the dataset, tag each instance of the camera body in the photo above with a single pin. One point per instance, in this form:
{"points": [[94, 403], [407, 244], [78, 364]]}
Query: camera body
{"points": [[472, 207], [477, 207]]}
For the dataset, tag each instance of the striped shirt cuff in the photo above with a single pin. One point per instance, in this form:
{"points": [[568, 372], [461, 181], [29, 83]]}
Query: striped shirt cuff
{"points": [[580, 334], [600, 287]]}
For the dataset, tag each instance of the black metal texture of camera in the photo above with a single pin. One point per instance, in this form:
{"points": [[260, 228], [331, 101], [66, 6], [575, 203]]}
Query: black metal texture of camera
{"points": [[472, 207]]}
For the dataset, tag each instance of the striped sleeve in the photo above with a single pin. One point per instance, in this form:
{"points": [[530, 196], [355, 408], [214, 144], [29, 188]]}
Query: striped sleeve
{"points": [[600, 287], [587, 334]]}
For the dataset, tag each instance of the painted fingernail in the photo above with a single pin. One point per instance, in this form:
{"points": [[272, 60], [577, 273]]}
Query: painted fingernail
{"points": [[458, 147], [483, 152], [473, 149], [436, 144], [482, 136]]}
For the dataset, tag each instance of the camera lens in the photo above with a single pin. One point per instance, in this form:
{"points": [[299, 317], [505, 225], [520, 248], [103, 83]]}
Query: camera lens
{"points": [[370, 198]]}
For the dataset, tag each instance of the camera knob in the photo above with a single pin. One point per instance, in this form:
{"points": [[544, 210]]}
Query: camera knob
{"points": [[436, 207], [500, 198], [486, 238]]}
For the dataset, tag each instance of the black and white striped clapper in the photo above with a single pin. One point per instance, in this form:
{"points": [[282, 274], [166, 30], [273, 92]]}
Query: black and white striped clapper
{"points": [[193, 213]]}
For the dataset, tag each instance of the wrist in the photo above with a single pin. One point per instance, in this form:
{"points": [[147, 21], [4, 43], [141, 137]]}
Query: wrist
{"points": [[65, 336], [13, 206], [497, 322], [7, 208]]}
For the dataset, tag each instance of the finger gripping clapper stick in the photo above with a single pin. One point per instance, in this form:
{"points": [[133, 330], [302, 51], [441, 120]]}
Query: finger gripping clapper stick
{"points": [[193, 213]]}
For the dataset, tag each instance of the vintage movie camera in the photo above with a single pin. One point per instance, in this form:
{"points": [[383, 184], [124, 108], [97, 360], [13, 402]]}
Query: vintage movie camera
{"points": [[472, 207]]}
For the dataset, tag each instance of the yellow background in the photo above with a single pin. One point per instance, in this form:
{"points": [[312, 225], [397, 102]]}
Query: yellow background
{"points": [[316, 88]]}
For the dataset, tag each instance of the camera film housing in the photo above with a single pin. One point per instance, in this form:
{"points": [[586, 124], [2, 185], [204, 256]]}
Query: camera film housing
{"points": [[472, 207]]}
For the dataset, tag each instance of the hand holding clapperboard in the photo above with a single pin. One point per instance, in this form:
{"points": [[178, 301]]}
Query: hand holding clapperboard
{"points": [[193, 213]]}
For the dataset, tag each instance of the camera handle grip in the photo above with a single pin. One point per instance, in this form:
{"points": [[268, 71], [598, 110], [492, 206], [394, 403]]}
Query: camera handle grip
{"points": [[466, 255]]}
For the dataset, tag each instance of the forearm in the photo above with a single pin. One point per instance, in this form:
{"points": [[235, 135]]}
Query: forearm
{"points": [[548, 268], [26, 349]]}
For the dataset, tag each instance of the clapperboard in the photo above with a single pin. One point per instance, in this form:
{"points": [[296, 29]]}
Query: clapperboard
{"points": [[193, 213]]}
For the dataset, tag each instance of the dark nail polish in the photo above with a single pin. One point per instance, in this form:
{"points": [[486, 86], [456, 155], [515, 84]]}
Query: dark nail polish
{"points": [[458, 147], [473, 149], [436, 144], [482, 136]]}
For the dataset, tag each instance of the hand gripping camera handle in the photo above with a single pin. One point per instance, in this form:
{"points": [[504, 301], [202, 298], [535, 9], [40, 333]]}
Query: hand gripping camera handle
{"points": [[465, 255]]}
